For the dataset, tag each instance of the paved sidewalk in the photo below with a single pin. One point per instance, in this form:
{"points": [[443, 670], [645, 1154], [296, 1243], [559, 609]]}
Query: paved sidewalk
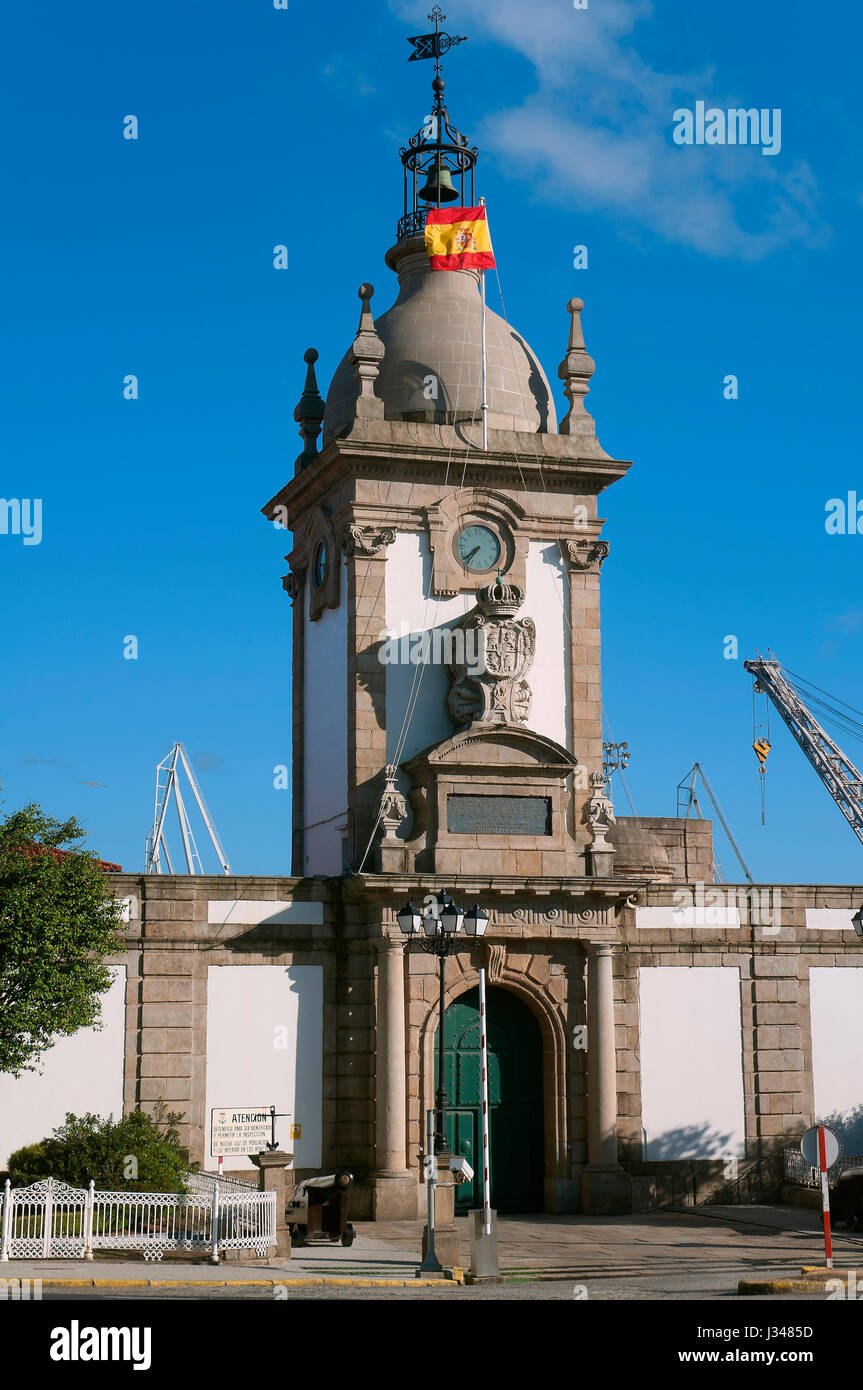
{"points": [[759, 1238], [369, 1260], [747, 1242]]}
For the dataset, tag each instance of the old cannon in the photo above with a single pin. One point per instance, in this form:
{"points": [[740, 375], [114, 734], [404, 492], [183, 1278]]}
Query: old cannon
{"points": [[318, 1211]]}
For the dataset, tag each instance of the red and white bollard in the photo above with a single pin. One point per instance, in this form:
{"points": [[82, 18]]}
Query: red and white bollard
{"points": [[825, 1196]]}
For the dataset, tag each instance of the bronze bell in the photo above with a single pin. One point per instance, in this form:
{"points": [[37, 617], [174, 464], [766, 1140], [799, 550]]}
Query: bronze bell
{"points": [[438, 187]]}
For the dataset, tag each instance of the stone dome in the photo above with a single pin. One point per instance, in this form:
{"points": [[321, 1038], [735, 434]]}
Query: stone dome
{"points": [[433, 330]]}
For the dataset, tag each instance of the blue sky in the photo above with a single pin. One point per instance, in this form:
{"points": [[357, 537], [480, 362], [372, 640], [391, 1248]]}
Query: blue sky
{"points": [[154, 257]]}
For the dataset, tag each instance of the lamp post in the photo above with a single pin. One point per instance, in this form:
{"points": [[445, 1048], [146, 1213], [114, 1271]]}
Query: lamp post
{"points": [[436, 931]]}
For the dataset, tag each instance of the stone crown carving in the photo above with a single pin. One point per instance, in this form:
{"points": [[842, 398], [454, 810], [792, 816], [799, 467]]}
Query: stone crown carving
{"points": [[488, 671], [500, 599]]}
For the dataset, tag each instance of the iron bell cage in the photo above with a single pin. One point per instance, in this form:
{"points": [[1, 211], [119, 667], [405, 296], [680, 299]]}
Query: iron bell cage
{"points": [[439, 164]]}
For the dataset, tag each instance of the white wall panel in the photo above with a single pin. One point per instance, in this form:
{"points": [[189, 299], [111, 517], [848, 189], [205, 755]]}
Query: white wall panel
{"points": [[829, 918], [691, 1061], [80, 1073], [547, 602], [408, 581], [255, 911], [325, 723], [836, 1002], [264, 1047]]}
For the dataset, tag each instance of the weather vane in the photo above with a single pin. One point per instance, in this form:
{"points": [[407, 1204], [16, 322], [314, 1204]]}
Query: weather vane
{"points": [[436, 44]]}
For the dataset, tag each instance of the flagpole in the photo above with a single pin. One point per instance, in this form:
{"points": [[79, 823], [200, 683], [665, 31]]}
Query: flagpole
{"points": [[484, 407]]}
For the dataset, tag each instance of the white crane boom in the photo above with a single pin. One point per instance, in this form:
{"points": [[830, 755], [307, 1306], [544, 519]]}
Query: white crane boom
{"points": [[157, 847]]}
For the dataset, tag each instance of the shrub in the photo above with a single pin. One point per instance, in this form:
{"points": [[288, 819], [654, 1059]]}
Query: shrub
{"points": [[139, 1153]]}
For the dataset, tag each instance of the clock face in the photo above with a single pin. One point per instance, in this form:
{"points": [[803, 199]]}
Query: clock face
{"points": [[478, 548], [319, 567]]}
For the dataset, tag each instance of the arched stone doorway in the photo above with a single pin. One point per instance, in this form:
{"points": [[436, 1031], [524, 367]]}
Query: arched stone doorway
{"points": [[515, 1081]]}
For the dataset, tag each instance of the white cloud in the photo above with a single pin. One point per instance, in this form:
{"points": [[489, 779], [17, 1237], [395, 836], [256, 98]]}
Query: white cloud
{"points": [[596, 134]]}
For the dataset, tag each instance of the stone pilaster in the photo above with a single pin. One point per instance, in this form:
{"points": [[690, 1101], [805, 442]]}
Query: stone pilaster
{"points": [[605, 1187], [169, 1029], [295, 586], [394, 1190], [583, 559], [777, 1050], [366, 733]]}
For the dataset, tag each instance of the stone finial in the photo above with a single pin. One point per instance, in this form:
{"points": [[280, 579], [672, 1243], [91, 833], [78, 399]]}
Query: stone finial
{"points": [[366, 357], [575, 372], [309, 413], [393, 808], [599, 818]]}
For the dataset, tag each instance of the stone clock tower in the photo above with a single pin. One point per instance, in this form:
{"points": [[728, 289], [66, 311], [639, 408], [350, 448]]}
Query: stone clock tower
{"points": [[409, 540], [447, 716]]}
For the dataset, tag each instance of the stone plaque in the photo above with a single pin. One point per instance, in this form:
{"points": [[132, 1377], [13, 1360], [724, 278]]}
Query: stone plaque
{"points": [[498, 815]]}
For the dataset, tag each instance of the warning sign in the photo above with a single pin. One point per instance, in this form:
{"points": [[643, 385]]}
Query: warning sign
{"points": [[240, 1131]]}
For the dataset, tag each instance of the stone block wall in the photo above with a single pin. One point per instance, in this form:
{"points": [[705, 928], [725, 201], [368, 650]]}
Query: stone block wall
{"points": [[537, 946]]}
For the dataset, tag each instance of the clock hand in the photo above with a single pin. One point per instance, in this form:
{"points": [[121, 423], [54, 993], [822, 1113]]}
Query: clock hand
{"points": [[468, 558]]}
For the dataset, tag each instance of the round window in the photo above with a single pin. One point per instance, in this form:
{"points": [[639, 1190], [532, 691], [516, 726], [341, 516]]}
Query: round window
{"points": [[319, 565]]}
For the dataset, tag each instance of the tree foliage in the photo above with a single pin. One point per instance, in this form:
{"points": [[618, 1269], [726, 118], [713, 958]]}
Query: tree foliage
{"points": [[59, 919], [139, 1153]]}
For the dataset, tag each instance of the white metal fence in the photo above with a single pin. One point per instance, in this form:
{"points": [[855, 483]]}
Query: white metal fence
{"points": [[209, 1182], [50, 1219]]}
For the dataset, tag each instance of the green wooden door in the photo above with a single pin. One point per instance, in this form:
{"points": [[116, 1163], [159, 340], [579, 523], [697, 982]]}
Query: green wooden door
{"points": [[515, 1100]]}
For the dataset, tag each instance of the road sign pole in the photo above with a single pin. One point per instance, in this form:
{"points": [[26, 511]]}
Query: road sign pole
{"points": [[825, 1196]]}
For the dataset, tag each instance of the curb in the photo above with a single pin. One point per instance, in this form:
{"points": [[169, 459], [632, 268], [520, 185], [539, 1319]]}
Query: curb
{"points": [[456, 1278], [813, 1279], [781, 1286]]}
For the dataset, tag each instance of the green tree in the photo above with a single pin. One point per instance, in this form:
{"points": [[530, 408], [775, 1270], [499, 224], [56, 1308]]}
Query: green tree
{"points": [[59, 919], [139, 1153]]}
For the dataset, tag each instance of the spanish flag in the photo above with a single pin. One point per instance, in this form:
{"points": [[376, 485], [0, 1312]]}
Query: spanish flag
{"points": [[458, 239]]}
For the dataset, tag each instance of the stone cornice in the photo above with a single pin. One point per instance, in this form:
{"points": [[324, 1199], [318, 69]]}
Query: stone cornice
{"points": [[552, 462], [385, 888]]}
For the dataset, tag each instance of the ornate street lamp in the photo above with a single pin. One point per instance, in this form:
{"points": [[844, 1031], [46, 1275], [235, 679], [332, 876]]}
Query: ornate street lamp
{"points": [[437, 931]]}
